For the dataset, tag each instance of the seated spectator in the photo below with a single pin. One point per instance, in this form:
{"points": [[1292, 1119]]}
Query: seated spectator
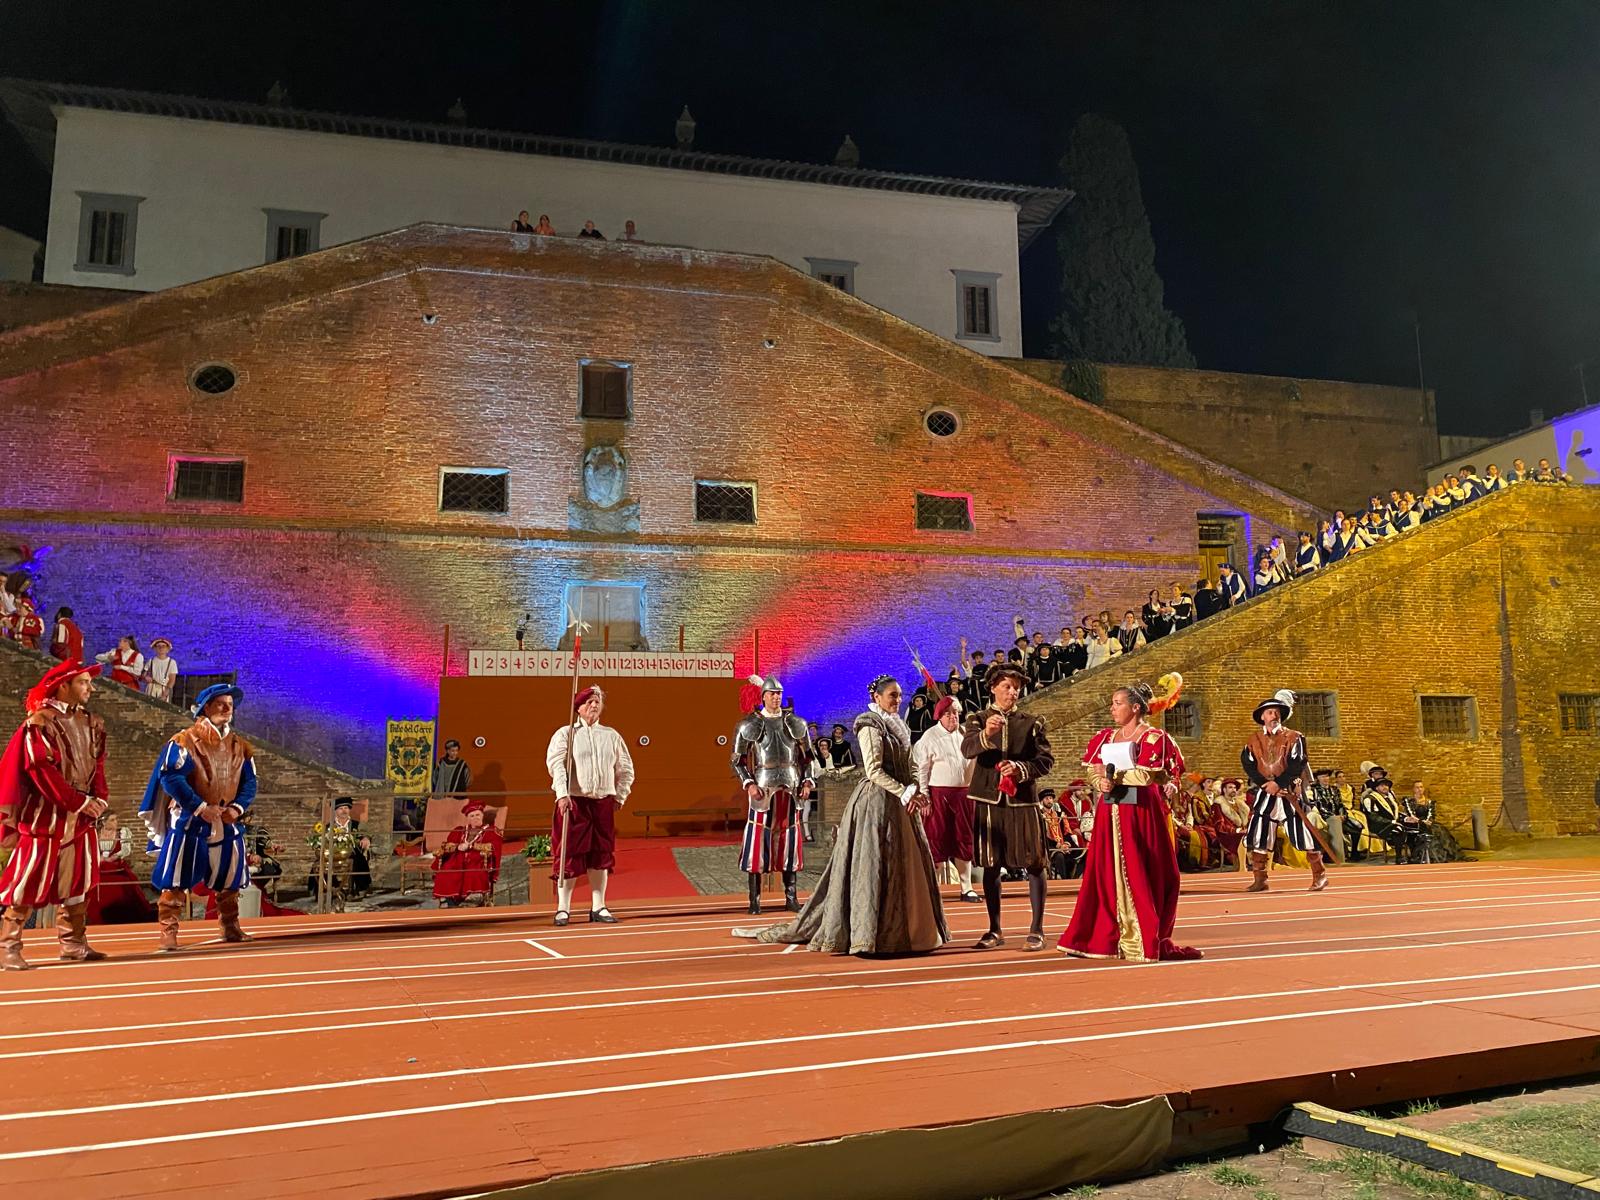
{"points": [[824, 748], [1383, 814], [468, 863], [630, 233], [347, 852], [522, 224], [1230, 817], [544, 228], [589, 231], [1046, 668], [66, 640], [1548, 474], [117, 897], [160, 670], [1518, 472], [1329, 803], [125, 662], [1416, 825], [1191, 830], [1064, 848]]}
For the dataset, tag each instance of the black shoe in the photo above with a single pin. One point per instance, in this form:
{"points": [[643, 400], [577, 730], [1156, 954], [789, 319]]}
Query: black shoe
{"points": [[562, 917], [602, 916], [790, 900], [755, 906]]}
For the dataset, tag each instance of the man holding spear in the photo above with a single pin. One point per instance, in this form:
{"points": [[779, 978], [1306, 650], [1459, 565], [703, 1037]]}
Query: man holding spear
{"points": [[591, 773], [1275, 760]]}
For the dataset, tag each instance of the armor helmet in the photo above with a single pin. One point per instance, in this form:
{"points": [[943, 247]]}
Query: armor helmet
{"points": [[771, 684]]}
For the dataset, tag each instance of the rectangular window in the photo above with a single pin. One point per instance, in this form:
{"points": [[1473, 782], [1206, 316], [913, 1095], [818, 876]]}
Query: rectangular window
{"points": [[1316, 714], [732, 503], [216, 479], [937, 511], [614, 613], [291, 234], [836, 272], [605, 390], [1449, 716], [976, 315], [474, 489], [1182, 720], [1580, 712], [106, 228]]}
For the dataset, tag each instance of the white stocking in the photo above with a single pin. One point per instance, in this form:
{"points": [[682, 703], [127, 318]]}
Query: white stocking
{"points": [[564, 894], [597, 889], [964, 869]]}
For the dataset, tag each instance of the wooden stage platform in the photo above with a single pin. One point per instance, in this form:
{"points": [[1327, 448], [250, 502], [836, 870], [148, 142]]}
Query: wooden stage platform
{"points": [[438, 1054]]}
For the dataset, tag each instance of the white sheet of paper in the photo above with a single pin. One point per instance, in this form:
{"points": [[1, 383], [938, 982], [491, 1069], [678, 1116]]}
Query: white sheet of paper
{"points": [[1117, 756]]}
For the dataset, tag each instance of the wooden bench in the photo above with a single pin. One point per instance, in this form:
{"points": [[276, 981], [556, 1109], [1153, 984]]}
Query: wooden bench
{"points": [[726, 811]]}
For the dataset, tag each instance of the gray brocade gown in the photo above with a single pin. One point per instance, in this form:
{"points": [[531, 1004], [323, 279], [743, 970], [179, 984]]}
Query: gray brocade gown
{"points": [[879, 893]]}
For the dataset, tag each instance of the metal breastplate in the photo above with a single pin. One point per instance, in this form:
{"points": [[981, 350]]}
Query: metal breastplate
{"points": [[769, 750]]}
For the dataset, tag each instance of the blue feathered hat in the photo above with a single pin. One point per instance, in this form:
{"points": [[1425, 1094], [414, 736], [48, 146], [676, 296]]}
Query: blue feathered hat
{"points": [[212, 692]]}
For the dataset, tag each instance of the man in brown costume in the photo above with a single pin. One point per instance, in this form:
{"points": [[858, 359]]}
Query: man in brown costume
{"points": [[1275, 760]]}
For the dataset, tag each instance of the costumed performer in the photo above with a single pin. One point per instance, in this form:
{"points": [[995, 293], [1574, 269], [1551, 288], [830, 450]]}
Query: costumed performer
{"points": [[879, 893], [590, 783], [117, 897], [772, 758], [943, 775], [194, 806], [1128, 903], [468, 863], [52, 789], [1012, 753], [1275, 760]]}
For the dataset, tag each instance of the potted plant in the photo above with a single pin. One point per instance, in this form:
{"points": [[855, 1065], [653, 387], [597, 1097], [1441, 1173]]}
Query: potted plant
{"points": [[537, 851]]}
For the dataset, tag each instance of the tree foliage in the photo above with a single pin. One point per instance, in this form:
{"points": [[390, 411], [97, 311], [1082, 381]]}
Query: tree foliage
{"points": [[1113, 307]]}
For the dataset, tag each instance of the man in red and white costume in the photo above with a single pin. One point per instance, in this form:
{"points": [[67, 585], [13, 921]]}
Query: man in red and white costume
{"points": [[943, 775], [52, 788], [590, 786]]}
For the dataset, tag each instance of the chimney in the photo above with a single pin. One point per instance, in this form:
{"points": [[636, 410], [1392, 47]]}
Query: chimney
{"points": [[457, 113], [685, 130], [848, 154]]}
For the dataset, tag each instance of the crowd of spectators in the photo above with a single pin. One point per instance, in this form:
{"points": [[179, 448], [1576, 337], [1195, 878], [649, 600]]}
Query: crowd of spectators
{"points": [[543, 227]]}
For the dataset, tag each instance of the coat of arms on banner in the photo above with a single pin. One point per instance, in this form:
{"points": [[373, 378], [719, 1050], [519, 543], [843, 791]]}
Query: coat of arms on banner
{"points": [[409, 766]]}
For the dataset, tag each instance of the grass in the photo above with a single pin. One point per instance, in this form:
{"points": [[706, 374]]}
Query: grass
{"points": [[1235, 1177], [1421, 1108], [1085, 1190], [1370, 1170], [1563, 1135]]}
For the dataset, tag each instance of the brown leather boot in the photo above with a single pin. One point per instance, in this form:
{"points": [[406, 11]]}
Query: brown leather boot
{"points": [[1319, 872], [1258, 868], [169, 911], [228, 917], [72, 932], [11, 926]]}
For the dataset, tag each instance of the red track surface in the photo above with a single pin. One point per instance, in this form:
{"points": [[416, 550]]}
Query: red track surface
{"points": [[436, 1055]]}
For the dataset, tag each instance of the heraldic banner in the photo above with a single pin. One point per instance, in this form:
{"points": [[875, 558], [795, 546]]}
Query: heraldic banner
{"points": [[409, 765]]}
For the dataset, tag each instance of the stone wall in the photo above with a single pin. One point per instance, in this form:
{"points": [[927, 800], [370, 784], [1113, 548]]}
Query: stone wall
{"points": [[24, 304], [1332, 443], [1499, 602]]}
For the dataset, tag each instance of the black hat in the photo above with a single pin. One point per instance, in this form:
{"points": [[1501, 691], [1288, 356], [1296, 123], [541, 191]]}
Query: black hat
{"points": [[1282, 699], [1003, 670], [1321, 771]]}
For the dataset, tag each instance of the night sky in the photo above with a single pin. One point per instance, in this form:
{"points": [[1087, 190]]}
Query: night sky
{"points": [[1315, 173]]}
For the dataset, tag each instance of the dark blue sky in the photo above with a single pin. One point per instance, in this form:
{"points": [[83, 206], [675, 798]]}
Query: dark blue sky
{"points": [[1314, 172]]}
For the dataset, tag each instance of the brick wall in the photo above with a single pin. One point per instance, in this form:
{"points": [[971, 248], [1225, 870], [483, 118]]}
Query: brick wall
{"points": [[1332, 443], [291, 788], [339, 566], [1499, 602]]}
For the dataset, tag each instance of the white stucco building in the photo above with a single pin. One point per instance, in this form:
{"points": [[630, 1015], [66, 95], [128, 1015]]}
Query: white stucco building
{"points": [[149, 191]]}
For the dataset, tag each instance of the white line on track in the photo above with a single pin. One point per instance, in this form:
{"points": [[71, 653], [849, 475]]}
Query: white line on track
{"points": [[546, 949], [769, 1073], [796, 982], [387, 973], [439, 1018], [762, 1043]]}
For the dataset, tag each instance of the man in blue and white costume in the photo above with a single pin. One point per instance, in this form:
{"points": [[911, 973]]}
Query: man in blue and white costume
{"points": [[194, 806]]}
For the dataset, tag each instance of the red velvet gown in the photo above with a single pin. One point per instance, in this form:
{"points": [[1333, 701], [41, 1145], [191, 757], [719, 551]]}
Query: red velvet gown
{"points": [[468, 871], [1128, 903]]}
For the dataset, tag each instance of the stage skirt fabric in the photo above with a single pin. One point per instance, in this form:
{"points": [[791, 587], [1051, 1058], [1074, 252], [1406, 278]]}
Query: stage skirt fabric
{"points": [[198, 854], [118, 897]]}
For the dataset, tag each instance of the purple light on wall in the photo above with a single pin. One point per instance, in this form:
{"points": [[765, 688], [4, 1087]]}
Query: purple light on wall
{"points": [[1578, 445]]}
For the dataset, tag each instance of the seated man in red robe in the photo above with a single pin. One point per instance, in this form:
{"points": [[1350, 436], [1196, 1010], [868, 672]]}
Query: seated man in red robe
{"points": [[467, 865]]}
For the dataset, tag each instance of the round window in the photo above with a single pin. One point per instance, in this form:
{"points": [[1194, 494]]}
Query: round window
{"points": [[214, 379], [941, 422]]}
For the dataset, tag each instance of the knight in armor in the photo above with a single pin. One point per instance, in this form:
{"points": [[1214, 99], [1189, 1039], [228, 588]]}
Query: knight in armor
{"points": [[772, 758]]}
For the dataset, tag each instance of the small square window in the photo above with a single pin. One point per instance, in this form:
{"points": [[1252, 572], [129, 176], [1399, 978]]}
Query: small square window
{"points": [[214, 479], [1580, 712], [1449, 716], [474, 489], [936, 511], [1316, 714], [106, 228], [606, 391], [1182, 719], [976, 316], [732, 503], [291, 234], [836, 272]]}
